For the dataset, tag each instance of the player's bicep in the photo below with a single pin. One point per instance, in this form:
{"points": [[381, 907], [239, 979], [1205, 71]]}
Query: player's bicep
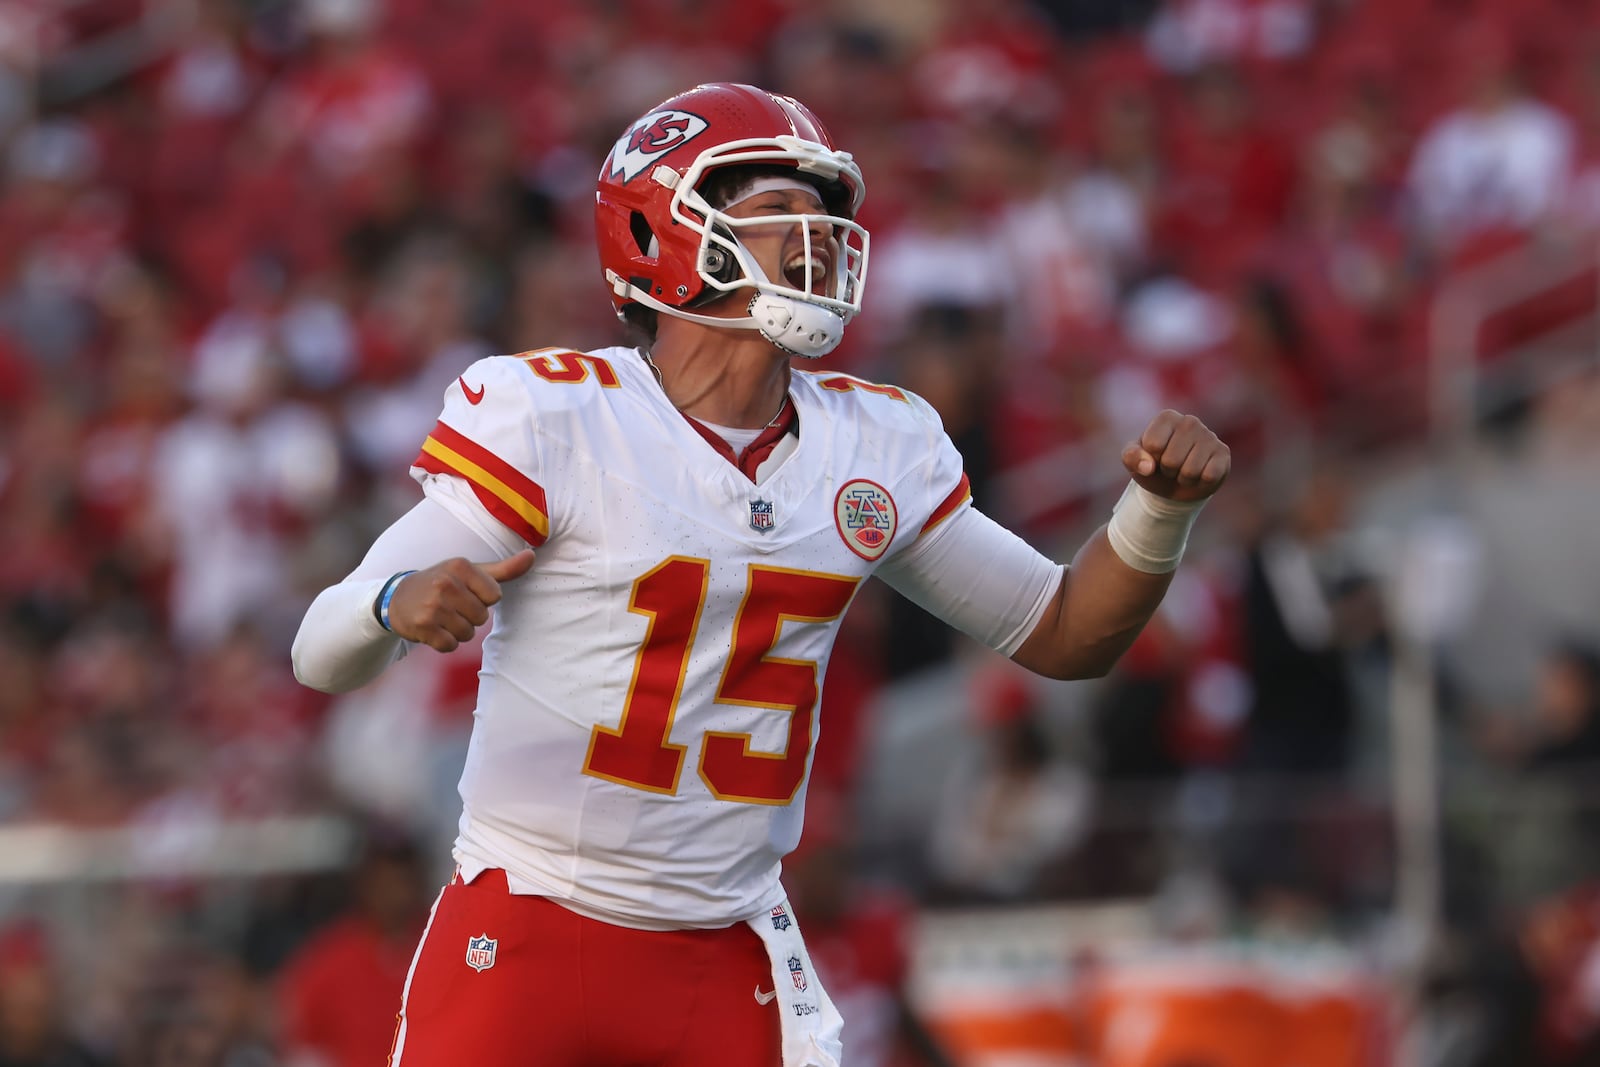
{"points": [[425, 535], [979, 577]]}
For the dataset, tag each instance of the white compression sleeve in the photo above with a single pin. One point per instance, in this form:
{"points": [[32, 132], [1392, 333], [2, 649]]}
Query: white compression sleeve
{"points": [[340, 645], [979, 577]]}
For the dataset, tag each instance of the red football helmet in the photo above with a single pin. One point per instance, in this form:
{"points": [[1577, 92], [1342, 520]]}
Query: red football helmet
{"points": [[663, 245]]}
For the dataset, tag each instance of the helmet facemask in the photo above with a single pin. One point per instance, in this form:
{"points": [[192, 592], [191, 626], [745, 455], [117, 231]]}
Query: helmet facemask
{"points": [[804, 315]]}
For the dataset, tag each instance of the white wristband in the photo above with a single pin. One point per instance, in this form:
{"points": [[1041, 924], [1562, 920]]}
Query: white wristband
{"points": [[1149, 532]]}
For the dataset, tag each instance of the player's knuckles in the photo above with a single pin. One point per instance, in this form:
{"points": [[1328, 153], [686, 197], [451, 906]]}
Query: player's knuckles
{"points": [[1160, 430]]}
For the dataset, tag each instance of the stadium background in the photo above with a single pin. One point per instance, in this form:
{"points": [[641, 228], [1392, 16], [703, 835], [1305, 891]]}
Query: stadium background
{"points": [[1338, 806]]}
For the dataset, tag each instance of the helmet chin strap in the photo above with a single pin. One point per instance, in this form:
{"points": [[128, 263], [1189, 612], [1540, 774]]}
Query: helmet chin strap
{"points": [[795, 326], [799, 327]]}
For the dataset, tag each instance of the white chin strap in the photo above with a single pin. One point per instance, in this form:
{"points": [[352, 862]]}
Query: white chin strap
{"points": [[797, 327]]}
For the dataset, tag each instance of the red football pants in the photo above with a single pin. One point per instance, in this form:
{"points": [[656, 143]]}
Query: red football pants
{"points": [[568, 991]]}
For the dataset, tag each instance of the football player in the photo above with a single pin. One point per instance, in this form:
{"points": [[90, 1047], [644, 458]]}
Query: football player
{"points": [[669, 536]]}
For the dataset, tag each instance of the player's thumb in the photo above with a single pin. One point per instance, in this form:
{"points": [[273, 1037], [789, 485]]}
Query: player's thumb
{"points": [[1136, 460], [504, 570]]}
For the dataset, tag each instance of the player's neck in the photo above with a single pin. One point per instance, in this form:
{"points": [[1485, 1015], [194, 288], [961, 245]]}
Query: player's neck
{"points": [[739, 382]]}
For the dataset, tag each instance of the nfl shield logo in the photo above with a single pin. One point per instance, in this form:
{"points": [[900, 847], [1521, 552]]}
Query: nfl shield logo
{"points": [[480, 952], [761, 519], [797, 972], [780, 918]]}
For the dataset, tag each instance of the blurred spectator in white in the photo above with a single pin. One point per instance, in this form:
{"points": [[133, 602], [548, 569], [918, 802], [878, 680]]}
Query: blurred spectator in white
{"points": [[1014, 810], [1107, 194], [62, 237], [1501, 159], [208, 75], [1189, 34], [1066, 284], [395, 748], [319, 334], [1171, 350], [942, 253], [236, 477]]}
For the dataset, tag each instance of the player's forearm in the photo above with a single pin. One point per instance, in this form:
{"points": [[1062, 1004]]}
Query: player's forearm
{"points": [[1096, 615], [341, 646]]}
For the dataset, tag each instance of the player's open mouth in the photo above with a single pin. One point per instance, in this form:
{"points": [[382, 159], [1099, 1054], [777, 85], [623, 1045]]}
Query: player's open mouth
{"points": [[814, 282]]}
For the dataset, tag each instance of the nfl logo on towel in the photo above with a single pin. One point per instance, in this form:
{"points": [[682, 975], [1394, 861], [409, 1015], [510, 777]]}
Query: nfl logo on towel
{"points": [[480, 952], [780, 918], [797, 972], [761, 519]]}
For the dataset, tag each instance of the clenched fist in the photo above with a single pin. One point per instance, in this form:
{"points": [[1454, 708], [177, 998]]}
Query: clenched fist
{"points": [[443, 605], [1177, 457]]}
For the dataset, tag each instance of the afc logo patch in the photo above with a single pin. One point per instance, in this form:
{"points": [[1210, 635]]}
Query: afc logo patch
{"points": [[780, 919], [651, 138], [762, 519], [866, 517], [480, 952], [797, 971]]}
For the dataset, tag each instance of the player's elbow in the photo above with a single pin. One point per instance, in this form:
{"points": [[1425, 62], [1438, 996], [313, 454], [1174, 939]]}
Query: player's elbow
{"points": [[1075, 661], [308, 676], [313, 671]]}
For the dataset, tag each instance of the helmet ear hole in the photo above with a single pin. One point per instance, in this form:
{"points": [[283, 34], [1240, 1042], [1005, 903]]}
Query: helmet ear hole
{"points": [[643, 235]]}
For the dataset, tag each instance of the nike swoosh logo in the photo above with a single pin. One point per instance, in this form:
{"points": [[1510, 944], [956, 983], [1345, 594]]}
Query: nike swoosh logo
{"points": [[472, 397], [765, 998]]}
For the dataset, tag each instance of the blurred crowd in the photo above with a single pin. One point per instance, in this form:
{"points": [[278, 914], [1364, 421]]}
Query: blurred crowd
{"points": [[246, 244]]}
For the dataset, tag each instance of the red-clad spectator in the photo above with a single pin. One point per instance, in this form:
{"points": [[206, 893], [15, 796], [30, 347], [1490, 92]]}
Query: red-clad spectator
{"points": [[1231, 176], [354, 108], [337, 993]]}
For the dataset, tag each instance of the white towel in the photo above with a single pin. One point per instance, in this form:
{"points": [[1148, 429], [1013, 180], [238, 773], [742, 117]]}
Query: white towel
{"points": [[811, 1024]]}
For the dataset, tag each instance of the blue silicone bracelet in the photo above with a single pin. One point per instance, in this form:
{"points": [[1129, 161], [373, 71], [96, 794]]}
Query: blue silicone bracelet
{"points": [[387, 595]]}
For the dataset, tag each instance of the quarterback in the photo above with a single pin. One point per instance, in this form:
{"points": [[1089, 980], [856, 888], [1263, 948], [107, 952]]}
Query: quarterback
{"points": [[669, 536]]}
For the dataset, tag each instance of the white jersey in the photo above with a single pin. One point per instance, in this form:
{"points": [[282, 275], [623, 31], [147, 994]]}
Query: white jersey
{"points": [[648, 701]]}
